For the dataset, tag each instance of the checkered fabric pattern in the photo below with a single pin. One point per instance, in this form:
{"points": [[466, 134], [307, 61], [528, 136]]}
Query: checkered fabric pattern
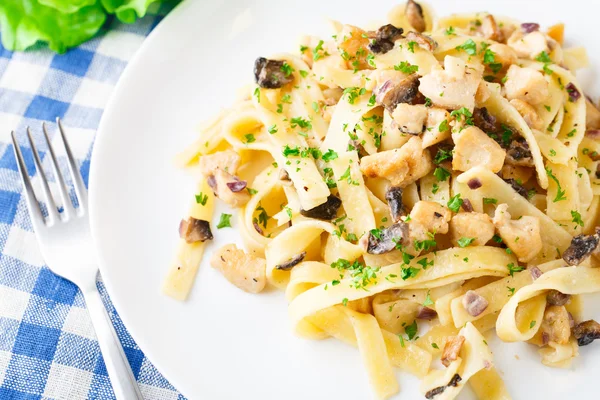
{"points": [[48, 348]]}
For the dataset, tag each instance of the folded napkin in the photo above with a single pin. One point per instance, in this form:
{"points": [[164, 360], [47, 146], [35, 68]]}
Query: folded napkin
{"points": [[48, 348]]}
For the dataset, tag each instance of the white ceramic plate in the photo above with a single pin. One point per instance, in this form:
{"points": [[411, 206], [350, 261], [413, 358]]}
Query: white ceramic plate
{"points": [[224, 343]]}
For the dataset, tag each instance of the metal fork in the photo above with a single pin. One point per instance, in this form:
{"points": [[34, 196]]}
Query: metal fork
{"points": [[66, 245]]}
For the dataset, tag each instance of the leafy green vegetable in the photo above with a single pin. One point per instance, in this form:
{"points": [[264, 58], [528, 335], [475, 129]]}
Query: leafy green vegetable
{"points": [[62, 24]]}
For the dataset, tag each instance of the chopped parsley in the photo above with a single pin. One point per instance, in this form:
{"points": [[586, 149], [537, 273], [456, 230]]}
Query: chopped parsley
{"points": [[424, 262], [371, 60], [263, 217], [425, 245], [442, 155], [252, 191], [576, 218], [560, 194], [489, 58], [411, 46], [441, 174], [250, 138], [287, 69], [329, 155], [450, 31], [465, 241], [344, 301], [371, 102], [464, 112], [428, 302], [548, 108], [532, 324], [224, 221], [272, 129], [201, 198], [511, 291], [291, 151], [490, 200], [353, 92], [408, 272], [435, 346], [301, 122], [406, 67], [303, 73], [512, 269], [435, 188], [318, 51], [411, 330], [455, 202], [257, 94], [362, 275], [470, 47]]}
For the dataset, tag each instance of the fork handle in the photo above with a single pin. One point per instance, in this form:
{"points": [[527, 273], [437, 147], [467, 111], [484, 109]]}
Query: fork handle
{"points": [[120, 374]]}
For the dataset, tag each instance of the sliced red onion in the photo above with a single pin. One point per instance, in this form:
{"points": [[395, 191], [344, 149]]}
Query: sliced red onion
{"points": [[237, 186], [529, 27], [212, 182], [466, 205], [535, 272], [545, 338], [426, 313], [474, 303], [573, 92], [474, 183], [257, 227]]}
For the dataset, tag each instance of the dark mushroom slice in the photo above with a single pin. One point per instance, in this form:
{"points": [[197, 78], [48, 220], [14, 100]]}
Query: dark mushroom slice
{"points": [[326, 211], [581, 247], [390, 94], [519, 154], [385, 38], [284, 177], [556, 298], [292, 262], [517, 187], [598, 171], [385, 240], [271, 74], [414, 15], [393, 196], [438, 390], [484, 120], [466, 205], [426, 313], [586, 332], [423, 41], [195, 230]]}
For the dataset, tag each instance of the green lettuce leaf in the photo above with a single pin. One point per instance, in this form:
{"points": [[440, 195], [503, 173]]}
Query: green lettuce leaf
{"points": [[25, 22], [67, 6], [127, 10]]}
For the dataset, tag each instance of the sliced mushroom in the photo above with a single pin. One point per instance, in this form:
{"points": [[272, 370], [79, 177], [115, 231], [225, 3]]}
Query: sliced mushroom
{"points": [[284, 177], [423, 41], [474, 303], [390, 93], [385, 240], [325, 211], [438, 390], [414, 15], [452, 349], [556, 298], [195, 230], [586, 332], [518, 153], [484, 120], [556, 324], [245, 271], [270, 74], [582, 246], [292, 262], [385, 38], [467, 206], [394, 199], [517, 187], [426, 313]]}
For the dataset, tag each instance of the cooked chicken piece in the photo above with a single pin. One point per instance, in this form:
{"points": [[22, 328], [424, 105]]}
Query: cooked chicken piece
{"points": [[327, 113], [432, 216], [526, 84], [414, 15], [489, 29], [452, 349], [243, 270], [472, 225], [227, 160], [592, 115], [483, 93], [228, 188], [528, 45], [401, 166], [556, 325], [503, 55], [410, 119], [453, 87], [522, 235], [354, 42], [473, 148], [528, 113], [436, 130], [516, 173], [423, 41]]}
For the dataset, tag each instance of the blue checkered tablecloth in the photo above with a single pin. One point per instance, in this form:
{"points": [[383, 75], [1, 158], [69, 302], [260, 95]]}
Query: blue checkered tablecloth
{"points": [[48, 348]]}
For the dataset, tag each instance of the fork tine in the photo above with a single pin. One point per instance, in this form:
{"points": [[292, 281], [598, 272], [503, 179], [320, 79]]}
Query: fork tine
{"points": [[35, 212], [62, 188], [74, 168], [52, 211]]}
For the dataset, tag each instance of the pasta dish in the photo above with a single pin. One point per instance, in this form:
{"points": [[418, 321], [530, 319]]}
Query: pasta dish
{"points": [[411, 186]]}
